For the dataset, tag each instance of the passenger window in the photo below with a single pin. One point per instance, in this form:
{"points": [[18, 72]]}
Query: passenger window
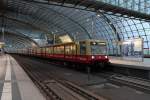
{"points": [[61, 49], [47, 50], [43, 50], [67, 49], [55, 50], [74, 49], [38, 50], [51, 50]]}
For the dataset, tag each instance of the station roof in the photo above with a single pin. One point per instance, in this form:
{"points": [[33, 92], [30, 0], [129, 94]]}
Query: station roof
{"points": [[113, 20]]}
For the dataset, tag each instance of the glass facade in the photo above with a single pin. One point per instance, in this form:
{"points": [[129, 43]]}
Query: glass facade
{"points": [[130, 28], [35, 19], [107, 27], [142, 6]]}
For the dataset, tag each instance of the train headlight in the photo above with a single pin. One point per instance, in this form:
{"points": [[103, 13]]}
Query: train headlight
{"points": [[106, 56], [93, 57]]}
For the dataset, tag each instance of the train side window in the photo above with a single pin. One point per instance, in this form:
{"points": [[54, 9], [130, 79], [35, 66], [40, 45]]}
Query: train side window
{"points": [[38, 50], [47, 50], [42, 50], [55, 50], [82, 48], [70, 49], [74, 49], [61, 49], [51, 50], [67, 49]]}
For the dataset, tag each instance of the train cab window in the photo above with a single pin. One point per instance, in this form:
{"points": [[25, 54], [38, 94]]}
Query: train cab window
{"points": [[82, 48], [98, 48]]}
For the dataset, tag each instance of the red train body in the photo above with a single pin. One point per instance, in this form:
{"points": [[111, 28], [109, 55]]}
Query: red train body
{"points": [[75, 52]]}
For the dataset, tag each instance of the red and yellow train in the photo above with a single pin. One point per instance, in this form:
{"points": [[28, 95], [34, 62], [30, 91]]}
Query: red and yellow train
{"points": [[87, 52]]}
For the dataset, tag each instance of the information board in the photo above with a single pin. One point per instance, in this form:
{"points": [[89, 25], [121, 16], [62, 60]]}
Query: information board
{"points": [[132, 49]]}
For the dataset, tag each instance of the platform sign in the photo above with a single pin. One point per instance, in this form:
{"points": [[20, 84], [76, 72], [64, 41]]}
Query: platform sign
{"points": [[132, 49]]}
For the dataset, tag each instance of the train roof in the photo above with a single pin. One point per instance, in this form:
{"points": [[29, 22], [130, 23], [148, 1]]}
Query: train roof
{"points": [[95, 40]]}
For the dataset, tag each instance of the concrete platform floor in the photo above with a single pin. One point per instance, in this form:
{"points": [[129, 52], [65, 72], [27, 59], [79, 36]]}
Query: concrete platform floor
{"points": [[130, 63], [14, 82]]}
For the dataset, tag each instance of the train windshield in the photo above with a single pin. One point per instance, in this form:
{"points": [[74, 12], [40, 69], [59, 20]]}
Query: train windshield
{"points": [[98, 48]]}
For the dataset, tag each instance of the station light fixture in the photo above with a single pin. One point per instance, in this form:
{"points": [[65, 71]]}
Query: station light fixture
{"points": [[98, 15]]}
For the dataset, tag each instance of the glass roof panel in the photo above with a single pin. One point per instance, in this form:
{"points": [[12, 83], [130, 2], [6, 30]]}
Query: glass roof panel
{"points": [[142, 6]]}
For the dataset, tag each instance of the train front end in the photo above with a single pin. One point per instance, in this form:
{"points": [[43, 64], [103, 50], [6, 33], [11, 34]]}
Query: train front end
{"points": [[98, 53]]}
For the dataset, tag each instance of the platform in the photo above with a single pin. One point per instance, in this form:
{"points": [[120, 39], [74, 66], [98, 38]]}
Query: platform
{"points": [[131, 64], [14, 82]]}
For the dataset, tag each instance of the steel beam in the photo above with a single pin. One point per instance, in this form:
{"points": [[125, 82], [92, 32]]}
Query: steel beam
{"points": [[99, 5]]}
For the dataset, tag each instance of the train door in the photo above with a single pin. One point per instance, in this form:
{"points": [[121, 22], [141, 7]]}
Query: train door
{"points": [[70, 51], [83, 51], [83, 48]]}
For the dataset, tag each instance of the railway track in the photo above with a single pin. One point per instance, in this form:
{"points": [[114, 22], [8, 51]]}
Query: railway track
{"points": [[134, 82], [115, 78], [57, 89], [131, 82]]}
